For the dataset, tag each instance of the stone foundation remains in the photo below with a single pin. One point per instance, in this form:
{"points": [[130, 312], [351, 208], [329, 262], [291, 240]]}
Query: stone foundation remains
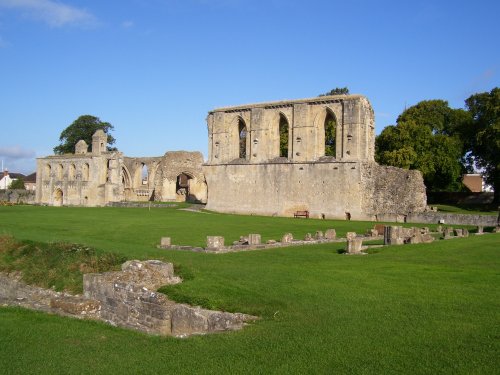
{"points": [[126, 299]]}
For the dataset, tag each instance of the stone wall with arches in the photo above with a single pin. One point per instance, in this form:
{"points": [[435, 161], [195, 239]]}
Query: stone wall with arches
{"points": [[101, 177], [79, 179], [180, 178], [306, 119], [311, 154]]}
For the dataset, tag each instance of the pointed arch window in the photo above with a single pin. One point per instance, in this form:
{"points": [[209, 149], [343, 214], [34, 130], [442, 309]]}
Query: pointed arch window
{"points": [[330, 134], [284, 136], [242, 135]]}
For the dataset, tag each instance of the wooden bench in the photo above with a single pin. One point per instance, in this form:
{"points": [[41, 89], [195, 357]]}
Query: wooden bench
{"points": [[301, 214]]}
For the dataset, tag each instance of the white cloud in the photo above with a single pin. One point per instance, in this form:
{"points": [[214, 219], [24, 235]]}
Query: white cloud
{"points": [[128, 24], [18, 159], [16, 152], [54, 13]]}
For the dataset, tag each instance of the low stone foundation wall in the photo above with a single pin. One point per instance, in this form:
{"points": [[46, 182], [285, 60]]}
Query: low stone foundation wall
{"points": [[452, 219], [127, 299], [18, 196], [215, 244], [14, 292], [142, 204]]}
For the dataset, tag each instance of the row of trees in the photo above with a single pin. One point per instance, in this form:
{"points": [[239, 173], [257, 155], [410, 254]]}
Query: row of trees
{"points": [[443, 143]]}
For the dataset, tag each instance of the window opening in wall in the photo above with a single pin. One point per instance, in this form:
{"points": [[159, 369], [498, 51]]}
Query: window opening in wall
{"points": [[60, 172], [85, 172], [330, 129], [283, 136], [242, 132], [71, 172], [144, 174], [108, 173]]}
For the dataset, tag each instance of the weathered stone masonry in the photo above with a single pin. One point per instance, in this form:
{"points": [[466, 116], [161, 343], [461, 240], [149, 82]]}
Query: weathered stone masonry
{"points": [[127, 299], [267, 159], [99, 177], [247, 174]]}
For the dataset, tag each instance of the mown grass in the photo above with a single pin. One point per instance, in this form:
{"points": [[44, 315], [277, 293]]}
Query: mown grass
{"points": [[415, 309], [137, 231], [468, 209]]}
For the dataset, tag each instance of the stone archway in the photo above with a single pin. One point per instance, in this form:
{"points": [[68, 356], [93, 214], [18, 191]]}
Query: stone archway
{"points": [[182, 187], [58, 197]]}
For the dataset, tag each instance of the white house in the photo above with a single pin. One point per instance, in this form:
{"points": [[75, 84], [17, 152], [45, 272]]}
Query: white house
{"points": [[7, 179]]}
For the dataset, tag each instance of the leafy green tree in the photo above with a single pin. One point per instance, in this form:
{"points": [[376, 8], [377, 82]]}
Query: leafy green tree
{"points": [[330, 129], [283, 127], [482, 137], [82, 128], [337, 91], [436, 115], [426, 138], [17, 184]]}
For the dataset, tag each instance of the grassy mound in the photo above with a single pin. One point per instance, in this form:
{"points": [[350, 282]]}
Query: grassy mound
{"points": [[59, 266]]}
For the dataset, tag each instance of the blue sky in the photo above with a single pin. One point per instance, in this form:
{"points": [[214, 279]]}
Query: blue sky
{"points": [[154, 68]]}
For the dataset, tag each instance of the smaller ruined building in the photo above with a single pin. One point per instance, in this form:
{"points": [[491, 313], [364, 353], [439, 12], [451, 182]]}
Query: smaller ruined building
{"points": [[309, 155], [99, 177]]}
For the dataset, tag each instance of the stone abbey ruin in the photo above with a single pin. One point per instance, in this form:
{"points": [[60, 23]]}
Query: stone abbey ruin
{"points": [[99, 177], [277, 158]]}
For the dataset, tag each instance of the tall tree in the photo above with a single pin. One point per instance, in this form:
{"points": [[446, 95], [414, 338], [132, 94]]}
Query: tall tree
{"points": [[82, 128], [436, 115], [337, 91], [482, 137], [425, 138]]}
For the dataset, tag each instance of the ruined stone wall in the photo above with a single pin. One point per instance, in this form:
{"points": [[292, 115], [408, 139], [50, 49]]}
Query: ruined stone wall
{"points": [[347, 185], [139, 188], [99, 177], [79, 179], [392, 190], [127, 299], [326, 189], [454, 219], [18, 196], [306, 129], [14, 292], [173, 164]]}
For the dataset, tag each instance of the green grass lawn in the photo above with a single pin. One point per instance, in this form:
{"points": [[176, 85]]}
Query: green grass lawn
{"points": [[137, 231], [415, 309], [467, 209]]}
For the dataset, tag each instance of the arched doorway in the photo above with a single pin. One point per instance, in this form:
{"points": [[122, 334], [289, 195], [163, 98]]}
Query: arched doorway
{"points": [[182, 187], [58, 197], [284, 136], [330, 134], [242, 135]]}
